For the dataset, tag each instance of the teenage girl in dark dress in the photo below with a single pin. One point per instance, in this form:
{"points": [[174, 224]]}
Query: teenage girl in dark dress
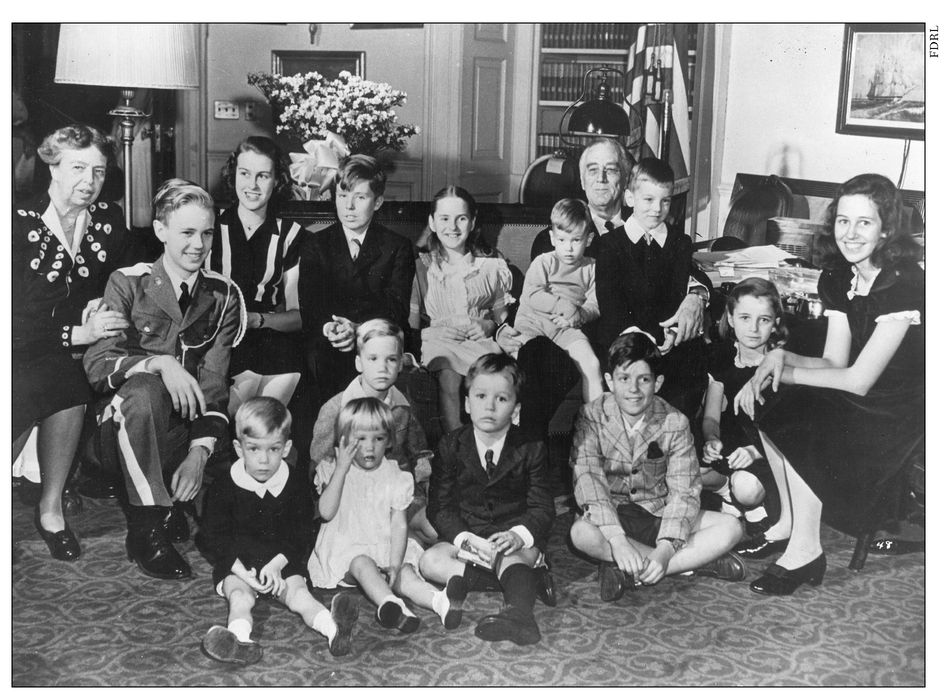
{"points": [[259, 251], [65, 245], [836, 439]]}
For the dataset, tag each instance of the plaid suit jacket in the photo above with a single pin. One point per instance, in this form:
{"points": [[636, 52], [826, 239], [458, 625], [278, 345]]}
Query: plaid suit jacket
{"points": [[657, 469]]}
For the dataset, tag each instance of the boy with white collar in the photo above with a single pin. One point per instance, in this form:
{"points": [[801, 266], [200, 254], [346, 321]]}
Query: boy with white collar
{"points": [[255, 532]]}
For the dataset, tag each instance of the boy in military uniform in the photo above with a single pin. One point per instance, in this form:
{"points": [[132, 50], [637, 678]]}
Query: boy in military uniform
{"points": [[168, 372]]}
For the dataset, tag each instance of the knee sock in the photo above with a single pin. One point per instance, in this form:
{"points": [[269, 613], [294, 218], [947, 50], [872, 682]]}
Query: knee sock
{"points": [[324, 624], [519, 587], [241, 629]]}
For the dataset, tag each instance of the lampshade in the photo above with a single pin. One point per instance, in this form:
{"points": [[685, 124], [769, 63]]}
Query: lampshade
{"points": [[149, 56], [600, 117]]}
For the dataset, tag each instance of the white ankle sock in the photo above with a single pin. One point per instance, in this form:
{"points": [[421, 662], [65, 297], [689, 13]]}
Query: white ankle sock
{"points": [[241, 629], [325, 625], [440, 603]]}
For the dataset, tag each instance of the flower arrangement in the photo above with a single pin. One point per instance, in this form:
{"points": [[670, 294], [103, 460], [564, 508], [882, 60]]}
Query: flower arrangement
{"points": [[309, 106]]}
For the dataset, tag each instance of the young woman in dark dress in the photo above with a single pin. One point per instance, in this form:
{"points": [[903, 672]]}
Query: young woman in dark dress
{"points": [[836, 440], [65, 245], [259, 251]]}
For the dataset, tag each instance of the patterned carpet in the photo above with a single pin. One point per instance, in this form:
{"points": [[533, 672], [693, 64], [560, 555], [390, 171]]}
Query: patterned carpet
{"points": [[99, 621]]}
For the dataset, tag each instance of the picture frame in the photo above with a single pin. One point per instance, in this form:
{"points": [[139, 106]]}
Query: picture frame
{"points": [[882, 81], [328, 63]]}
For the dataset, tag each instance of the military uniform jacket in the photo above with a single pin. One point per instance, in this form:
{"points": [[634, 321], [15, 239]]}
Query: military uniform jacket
{"points": [[201, 339]]}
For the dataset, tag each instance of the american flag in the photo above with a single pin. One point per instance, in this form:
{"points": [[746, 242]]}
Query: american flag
{"points": [[674, 46]]}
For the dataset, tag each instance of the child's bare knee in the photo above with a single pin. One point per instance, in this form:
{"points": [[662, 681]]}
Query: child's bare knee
{"points": [[746, 488], [239, 599], [584, 535]]}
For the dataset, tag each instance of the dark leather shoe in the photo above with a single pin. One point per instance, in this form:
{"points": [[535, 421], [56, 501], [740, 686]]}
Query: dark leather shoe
{"points": [[149, 548], [456, 589], [62, 545], [896, 546], [728, 567], [176, 525], [509, 624], [546, 589], [780, 581], [345, 612], [613, 582], [391, 616], [222, 645], [758, 547]]}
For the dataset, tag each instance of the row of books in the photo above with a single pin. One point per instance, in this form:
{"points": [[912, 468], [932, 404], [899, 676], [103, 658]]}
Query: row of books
{"points": [[588, 36], [563, 81], [547, 143]]}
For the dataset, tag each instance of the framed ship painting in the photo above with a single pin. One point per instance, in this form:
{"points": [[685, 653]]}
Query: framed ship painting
{"points": [[882, 83]]}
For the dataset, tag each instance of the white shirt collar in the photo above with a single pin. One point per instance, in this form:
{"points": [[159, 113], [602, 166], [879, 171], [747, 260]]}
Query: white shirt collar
{"points": [[634, 230], [393, 397], [244, 480], [600, 223], [176, 278], [638, 425], [350, 236], [482, 448], [858, 287], [51, 219]]}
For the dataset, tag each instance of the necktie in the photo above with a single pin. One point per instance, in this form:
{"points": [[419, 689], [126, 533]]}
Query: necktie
{"points": [[184, 300], [608, 225], [354, 245], [489, 462]]}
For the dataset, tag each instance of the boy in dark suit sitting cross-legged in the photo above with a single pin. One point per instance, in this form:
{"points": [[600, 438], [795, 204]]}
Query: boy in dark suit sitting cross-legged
{"points": [[490, 480]]}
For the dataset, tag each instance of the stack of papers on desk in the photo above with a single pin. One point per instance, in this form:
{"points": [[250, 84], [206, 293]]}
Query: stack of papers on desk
{"points": [[756, 257]]}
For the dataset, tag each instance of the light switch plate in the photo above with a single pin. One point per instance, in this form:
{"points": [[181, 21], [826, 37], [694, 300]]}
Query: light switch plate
{"points": [[226, 110]]}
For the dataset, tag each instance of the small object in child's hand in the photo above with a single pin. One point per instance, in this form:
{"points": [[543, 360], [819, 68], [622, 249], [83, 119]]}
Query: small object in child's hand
{"points": [[478, 551]]}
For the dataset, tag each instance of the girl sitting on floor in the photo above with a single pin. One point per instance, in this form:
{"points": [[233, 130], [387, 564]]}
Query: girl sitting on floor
{"points": [[364, 540], [732, 466]]}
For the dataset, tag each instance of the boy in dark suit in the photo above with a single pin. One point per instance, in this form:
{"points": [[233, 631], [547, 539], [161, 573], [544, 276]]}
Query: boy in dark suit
{"points": [[637, 482], [353, 271], [168, 373], [644, 279], [490, 480]]}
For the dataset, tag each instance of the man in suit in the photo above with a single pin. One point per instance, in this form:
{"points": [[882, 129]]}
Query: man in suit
{"points": [[489, 480], [351, 272], [605, 172], [637, 483], [168, 373]]}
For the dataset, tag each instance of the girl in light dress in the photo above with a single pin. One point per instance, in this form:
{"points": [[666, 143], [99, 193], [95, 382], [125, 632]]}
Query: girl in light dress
{"points": [[460, 295], [363, 498], [732, 466]]}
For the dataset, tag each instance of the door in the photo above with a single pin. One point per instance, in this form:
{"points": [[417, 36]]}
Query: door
{"points": [[486, 111]]}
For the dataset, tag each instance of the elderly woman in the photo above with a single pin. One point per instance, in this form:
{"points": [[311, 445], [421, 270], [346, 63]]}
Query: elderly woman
{"points": [[65, 245]]}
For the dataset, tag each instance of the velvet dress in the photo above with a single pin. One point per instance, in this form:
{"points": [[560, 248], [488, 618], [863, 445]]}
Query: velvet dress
{"points": [[848, 447], [52, 284]]}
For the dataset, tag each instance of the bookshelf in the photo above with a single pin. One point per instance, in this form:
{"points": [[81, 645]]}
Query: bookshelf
{"points": [[567, 51]]}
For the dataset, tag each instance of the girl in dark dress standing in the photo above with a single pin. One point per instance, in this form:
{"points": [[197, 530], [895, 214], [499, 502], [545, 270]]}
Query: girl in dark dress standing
{"points": [[65, 245], [835, 441]]}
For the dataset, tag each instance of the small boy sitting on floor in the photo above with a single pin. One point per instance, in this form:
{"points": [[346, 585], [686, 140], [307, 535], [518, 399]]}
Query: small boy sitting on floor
{"points": [[490, 480], [255, 530], [637, 482]]}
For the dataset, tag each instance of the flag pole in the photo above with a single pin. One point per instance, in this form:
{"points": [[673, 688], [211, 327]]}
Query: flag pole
{"points": [[666, 119]]}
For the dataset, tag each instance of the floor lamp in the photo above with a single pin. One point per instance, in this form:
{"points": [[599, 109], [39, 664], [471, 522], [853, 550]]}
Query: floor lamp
{"points": [[128, 56]]}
